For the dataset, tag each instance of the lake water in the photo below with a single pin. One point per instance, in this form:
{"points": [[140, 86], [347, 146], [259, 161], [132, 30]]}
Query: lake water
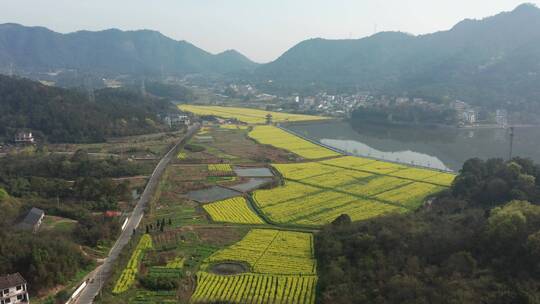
{"points": [[440, 148]]}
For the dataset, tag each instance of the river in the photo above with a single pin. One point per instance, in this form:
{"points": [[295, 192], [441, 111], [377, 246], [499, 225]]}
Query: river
{"points": [[440, 148]]}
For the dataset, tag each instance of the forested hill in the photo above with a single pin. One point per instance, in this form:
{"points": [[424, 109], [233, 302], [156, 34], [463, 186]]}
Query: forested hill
{"points": [[493, 60], [110, 51], [479, 242], [60, 115]]}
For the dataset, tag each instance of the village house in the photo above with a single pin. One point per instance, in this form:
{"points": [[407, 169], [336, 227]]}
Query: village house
{"points": [[33, 220], [24, 138], [173, 120], [13, 289]]}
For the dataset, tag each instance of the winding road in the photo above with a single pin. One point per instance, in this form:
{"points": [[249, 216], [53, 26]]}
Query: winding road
{"points": [[103, 272]]}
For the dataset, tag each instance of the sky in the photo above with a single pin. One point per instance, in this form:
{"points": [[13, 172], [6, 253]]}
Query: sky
{"points": [[260, 29]]}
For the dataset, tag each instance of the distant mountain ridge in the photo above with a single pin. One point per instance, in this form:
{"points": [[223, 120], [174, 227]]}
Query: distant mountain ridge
{"points": [[490, 61], [111, 51]]}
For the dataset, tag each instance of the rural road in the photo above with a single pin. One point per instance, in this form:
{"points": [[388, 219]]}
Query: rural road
{"points": [[103, 272]]}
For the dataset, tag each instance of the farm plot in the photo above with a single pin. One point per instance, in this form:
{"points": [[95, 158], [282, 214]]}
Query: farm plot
{"points": [[233, 210], [272, 251], [253, 172], [283, 270], [270, 135], [255, 288], [220, 170], [391, 169], [251, 184], [234, 146], [315, 193], [442, 179], [410, 196], [233, 127], [211, 194], [128, 275], [246, 115]]}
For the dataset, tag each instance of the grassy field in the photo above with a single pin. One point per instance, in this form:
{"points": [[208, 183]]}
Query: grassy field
{"points": [[282, 269], [139, 147], [58, 224], [250, 116]]}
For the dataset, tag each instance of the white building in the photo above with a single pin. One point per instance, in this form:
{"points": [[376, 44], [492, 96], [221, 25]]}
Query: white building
{"points": [[13, 289], [24, 138], [470, 116], [176, 119], [501, 117]]}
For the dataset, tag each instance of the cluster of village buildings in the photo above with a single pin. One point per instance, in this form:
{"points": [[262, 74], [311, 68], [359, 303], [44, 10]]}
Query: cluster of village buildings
{"points": [[343, 105]]}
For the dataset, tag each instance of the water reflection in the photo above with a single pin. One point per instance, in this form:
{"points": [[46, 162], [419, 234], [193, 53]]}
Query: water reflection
{"points": [[407, 157], [442, 148]]}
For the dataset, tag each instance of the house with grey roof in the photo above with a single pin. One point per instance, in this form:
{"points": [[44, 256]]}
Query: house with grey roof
{"points": [[13, 289], [32, 220]]}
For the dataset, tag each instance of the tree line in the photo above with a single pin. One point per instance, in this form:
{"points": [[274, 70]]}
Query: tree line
{"points": [[60, 115], [478, 242], [76, 187]]}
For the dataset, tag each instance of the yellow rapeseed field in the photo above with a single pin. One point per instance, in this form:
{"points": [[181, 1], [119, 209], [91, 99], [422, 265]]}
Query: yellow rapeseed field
{"points": [[127, 278], [270, 135], [315, 193], [246, 115], [282, 270], [233, 210]]}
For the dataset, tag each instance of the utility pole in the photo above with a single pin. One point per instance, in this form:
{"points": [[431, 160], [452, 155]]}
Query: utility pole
{"points": [[143, 87], [511, 143]]}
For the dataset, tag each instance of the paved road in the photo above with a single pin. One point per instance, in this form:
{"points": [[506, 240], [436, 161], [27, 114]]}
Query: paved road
{"points": [[103, 272]]}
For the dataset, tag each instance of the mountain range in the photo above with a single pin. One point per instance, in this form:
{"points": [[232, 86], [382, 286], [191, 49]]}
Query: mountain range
{"points": [[111, 51], [489, 62], [493, 60]]}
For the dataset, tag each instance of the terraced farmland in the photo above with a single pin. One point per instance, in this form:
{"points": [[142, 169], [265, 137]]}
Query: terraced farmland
{"points": [[282, 270], [233, 210], [251, 116], [270, 135]]}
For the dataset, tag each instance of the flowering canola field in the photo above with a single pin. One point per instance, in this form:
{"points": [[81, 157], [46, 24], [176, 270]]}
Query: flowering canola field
{"points": [[270, 135], [315, 193], [130, 272], [251, 116], [233, 210], [282, 270]]}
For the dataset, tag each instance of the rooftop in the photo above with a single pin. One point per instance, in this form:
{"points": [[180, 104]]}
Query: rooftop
{"points": [[32, 218], [11, 280]]}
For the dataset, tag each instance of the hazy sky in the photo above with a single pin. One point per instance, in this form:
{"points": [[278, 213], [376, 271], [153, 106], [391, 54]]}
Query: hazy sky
{"points": [[260, 29]]}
